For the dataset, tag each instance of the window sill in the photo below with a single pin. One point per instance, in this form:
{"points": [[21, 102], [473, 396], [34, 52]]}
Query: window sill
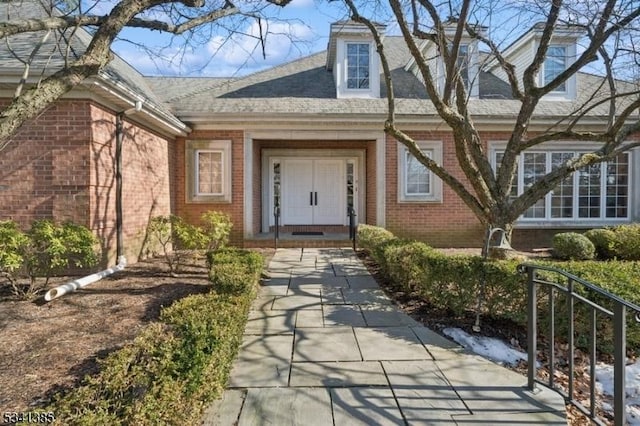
{"points": [[209, 199], [420, 201], [576, 223]]}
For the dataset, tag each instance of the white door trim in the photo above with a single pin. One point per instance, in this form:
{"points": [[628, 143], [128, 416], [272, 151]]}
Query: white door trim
{"points": [[271, 156]]}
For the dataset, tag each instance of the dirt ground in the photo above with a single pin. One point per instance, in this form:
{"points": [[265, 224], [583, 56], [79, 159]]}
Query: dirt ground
{"points": [[48, 347]]}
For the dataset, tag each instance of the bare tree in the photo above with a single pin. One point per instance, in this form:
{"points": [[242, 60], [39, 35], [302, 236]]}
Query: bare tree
{"points": [[610, 36], [61, 20]]}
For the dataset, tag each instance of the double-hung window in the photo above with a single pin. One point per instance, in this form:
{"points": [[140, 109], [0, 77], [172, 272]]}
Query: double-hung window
{"points": [[416, 182], [208, 171], [554, 64], [597, 192], [358, 62], [209, 177], [463, 64]]}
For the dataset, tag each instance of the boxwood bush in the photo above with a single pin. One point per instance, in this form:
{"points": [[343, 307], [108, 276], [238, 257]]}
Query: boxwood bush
{"points": [[627, 241], [572, 246], [604, 241], [370, 238], [174, 367], [453, 283]]}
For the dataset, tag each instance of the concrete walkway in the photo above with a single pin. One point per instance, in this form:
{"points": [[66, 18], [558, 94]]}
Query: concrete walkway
{"points": [[325, 346]]}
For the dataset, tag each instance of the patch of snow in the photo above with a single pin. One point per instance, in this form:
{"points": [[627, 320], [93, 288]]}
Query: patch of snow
{"points": [[494, 349], [604, 378]]}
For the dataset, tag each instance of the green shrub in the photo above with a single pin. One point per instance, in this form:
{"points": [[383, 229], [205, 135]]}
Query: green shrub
{"points": [[12, 242], [371, 237], [627, 241], [232, 270], [616, 277], [44, 250], [179, 239], [406, 263], [217, 228], [172, 369], [604, 241], [572, 246]]}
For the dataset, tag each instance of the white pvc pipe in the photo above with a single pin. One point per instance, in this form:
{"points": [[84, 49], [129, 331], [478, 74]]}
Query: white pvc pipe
{"points": [[74, 285]]}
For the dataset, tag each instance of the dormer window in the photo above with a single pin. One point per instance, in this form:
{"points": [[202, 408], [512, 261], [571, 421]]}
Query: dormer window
{"points": [[463, 64], [554, 65], [353, 60], [358, 58]]}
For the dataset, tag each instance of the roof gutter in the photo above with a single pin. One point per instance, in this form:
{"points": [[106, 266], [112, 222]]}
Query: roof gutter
{"points": [[165, 120]]}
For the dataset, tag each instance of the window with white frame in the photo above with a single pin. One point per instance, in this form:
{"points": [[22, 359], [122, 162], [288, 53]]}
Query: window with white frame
{"points": [[463, 64], [208, 171], [358, 61], [597, 192], [555, 63], [416, 182]]}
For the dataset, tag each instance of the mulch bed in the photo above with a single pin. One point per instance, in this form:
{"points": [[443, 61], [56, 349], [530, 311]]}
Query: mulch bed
{"points": [[45, 348]]}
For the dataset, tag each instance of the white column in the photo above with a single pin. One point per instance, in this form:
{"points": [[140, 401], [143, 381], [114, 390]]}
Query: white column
{"points": [[381, 180], [248, 185]]}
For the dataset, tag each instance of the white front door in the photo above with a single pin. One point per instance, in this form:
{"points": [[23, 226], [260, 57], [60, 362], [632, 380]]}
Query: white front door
{"points": [[313, 191]]}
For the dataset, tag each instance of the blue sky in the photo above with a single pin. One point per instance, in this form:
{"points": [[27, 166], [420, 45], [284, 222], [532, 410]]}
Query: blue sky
{"points": [[297, 30]]}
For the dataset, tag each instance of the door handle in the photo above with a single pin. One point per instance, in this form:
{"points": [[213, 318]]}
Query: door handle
{"points": [[311, 198], [316, 198]]}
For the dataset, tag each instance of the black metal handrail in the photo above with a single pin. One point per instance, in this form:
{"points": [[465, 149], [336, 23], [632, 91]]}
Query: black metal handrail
{"points": [[618, 314], [353, 227]]}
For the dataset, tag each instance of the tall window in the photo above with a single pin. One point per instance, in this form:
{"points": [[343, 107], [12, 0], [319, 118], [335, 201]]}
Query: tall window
{"points": [[357, 66], [554, 64], [209, 175], [599, 191], [463, 64], [416, 183]]}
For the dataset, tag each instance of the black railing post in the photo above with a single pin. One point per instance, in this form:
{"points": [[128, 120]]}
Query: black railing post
{"points": [[352, 227], [619, 362], [616, 313], [532, 332], [276, 232]]}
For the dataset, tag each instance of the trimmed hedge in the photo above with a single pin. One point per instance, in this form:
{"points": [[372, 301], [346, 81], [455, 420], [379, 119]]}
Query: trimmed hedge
{"points": [[453, 282], [572, 246], [233, 270], [174, 367], [604, 242], [627, 241]]}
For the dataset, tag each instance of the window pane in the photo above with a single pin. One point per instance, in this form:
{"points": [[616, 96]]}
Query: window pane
{"points": [[562, 195], [513, 192], [209, 172], [589, 180], [463, 64], [357, 65], [554, 64], [534, 168], [617, 184], [417, 176]]}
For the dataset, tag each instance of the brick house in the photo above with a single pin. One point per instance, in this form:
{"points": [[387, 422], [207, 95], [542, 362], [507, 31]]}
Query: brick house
{"points": [[306, 136]]}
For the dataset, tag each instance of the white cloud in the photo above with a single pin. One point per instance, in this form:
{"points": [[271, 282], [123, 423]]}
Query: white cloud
{"points": [[281, 42]]}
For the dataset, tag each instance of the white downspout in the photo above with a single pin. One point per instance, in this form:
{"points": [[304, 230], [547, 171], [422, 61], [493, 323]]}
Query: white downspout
{"points": [[74, 285]]}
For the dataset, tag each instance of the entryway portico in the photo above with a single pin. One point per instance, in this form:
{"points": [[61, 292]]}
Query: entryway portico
{"points": [[314, 177]]}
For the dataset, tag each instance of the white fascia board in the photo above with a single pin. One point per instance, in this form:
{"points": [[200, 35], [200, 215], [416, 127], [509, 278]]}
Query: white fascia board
{"points": [[166, 121]]}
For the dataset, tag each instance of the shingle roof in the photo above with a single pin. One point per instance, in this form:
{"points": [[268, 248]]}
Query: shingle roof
{"points": [[53, 53]]}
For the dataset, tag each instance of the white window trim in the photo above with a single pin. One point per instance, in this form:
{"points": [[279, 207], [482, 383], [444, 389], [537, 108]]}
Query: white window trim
{"points": [[435, 194], [575, 221], [192, 149], [342, 91], [569, 91]]}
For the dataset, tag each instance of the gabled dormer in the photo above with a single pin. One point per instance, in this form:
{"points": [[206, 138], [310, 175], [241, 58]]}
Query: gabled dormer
{"points": [[468, 61], [352, 57], [561, 53]]}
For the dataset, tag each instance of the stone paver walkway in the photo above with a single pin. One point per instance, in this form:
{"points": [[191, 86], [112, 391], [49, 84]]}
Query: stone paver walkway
{"points": [[324, 346]]}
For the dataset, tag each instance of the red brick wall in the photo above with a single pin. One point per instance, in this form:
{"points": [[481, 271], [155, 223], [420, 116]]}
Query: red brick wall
{"points": [[190, 211], [43, 171], [61, 166], [147, 167], [449, 223]]}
